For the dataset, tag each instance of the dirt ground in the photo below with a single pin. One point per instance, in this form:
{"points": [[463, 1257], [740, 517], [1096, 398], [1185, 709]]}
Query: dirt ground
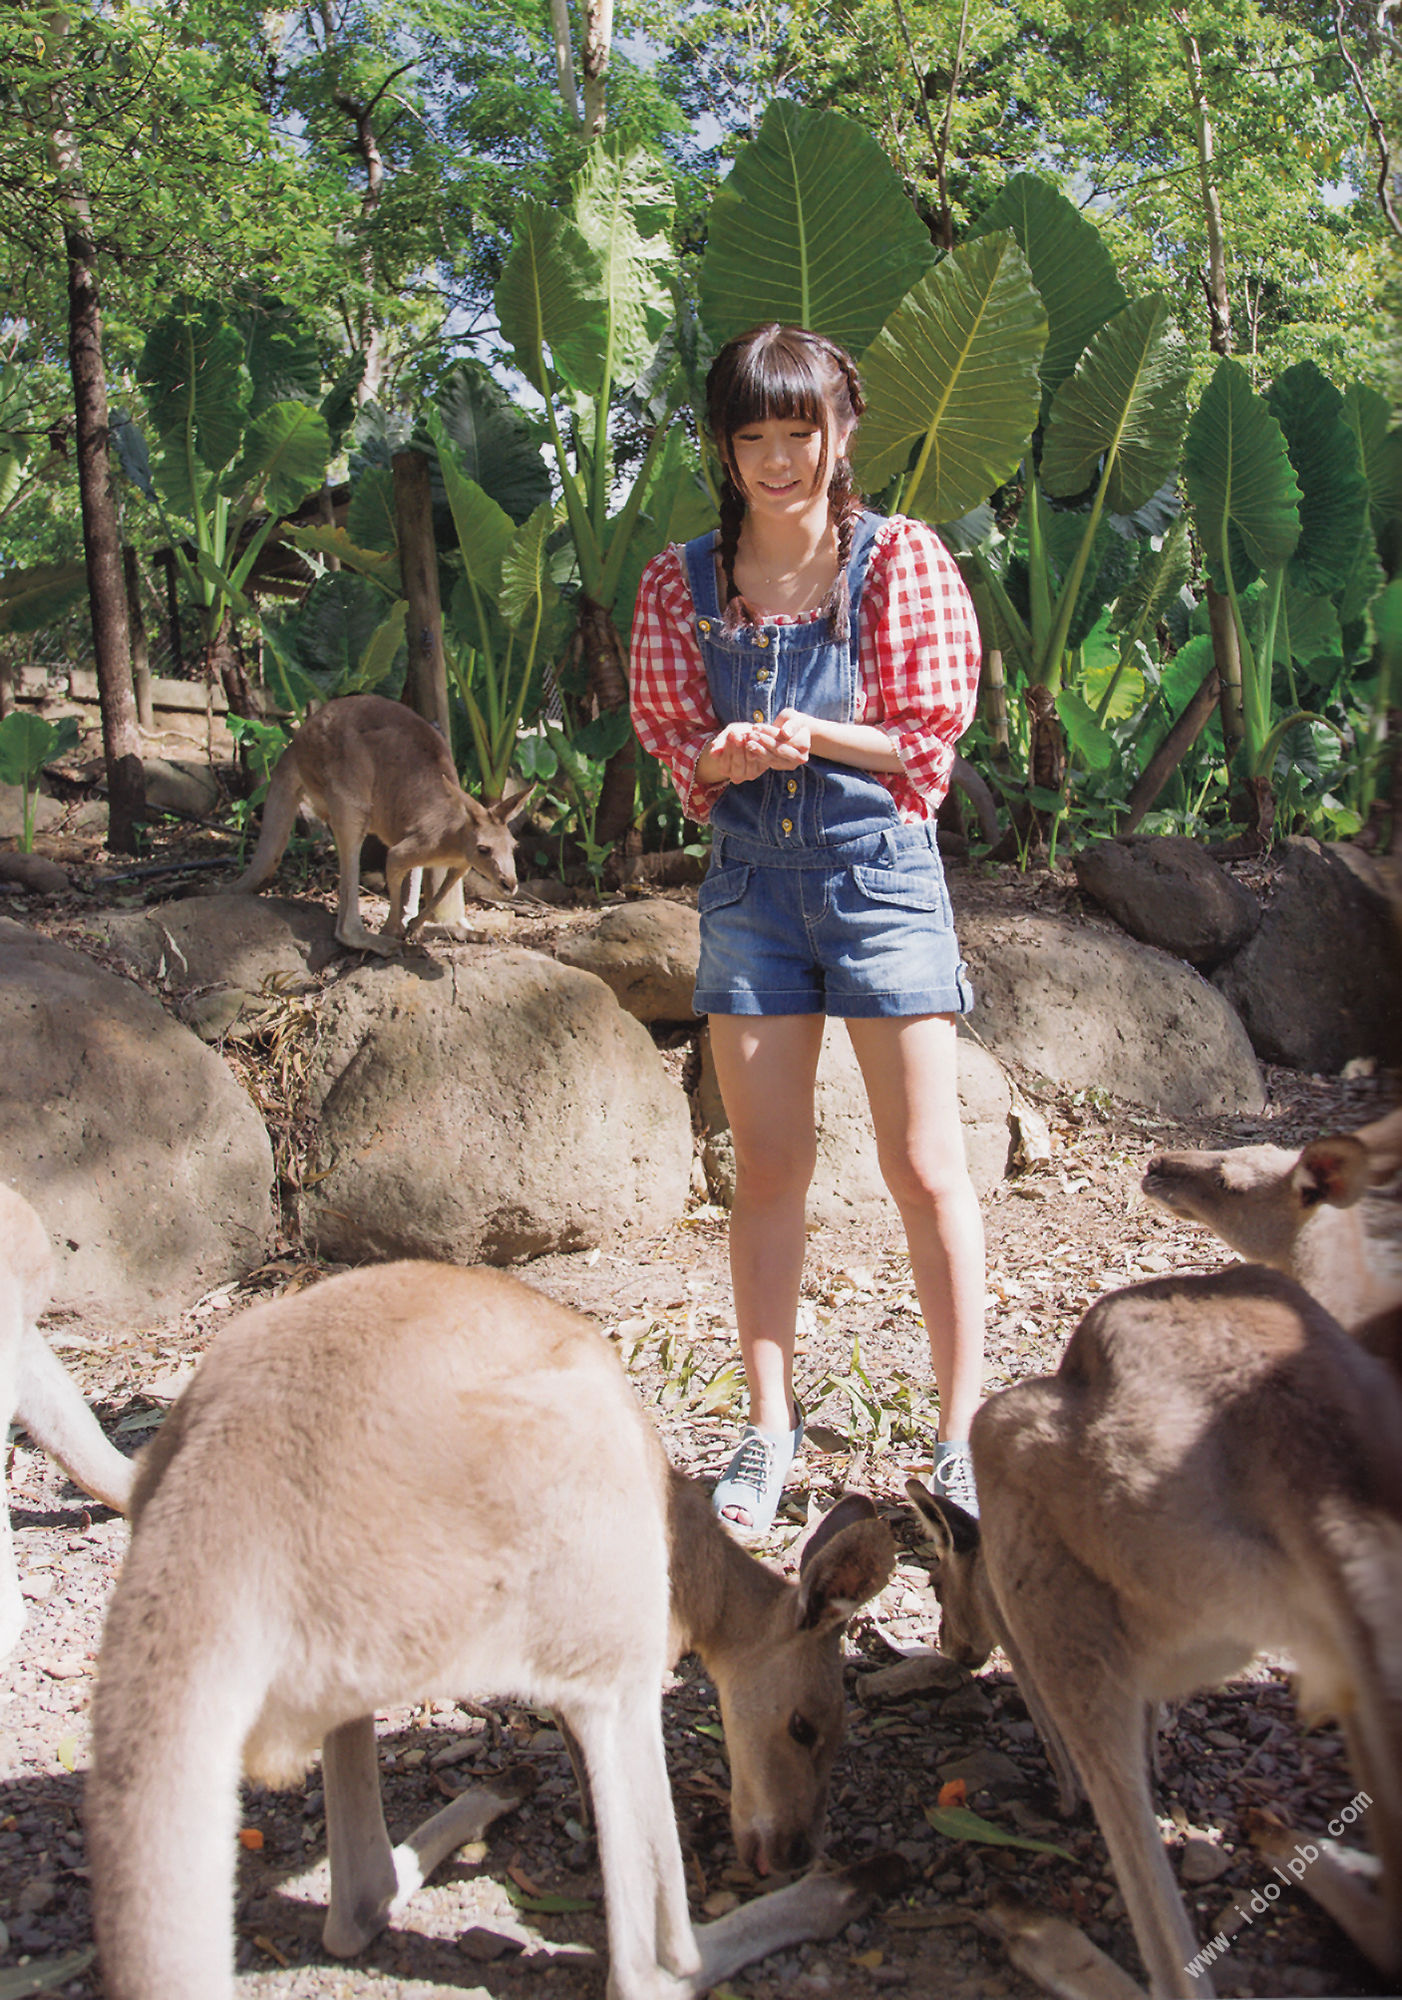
{"points": [[1060, 1233]]}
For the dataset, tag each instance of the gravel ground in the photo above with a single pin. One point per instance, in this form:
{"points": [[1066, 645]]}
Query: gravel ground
{"points": [[1060, 1234]]}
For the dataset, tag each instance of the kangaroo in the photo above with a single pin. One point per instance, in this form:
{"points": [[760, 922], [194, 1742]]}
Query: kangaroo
{"points": [[1212, 1471], [369, 765], [1295, 1211], [37, 1391], [415, 1481]]}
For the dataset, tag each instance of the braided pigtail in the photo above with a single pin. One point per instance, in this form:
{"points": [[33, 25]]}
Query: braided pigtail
{"points": [[844, 511], [732, 515]]}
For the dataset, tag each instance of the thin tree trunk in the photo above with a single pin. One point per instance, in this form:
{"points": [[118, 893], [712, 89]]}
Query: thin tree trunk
{"points": [[1226, 650], [102, 541], [1171, 752], [426, 685], [140, 656], [564, 59], [166, 559], [598, 44]]}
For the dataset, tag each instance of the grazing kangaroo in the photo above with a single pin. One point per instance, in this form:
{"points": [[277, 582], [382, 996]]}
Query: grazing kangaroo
{"points": [[419, 1481], [1213, 1470], [1295, 1211], [37, 1391], [369, 765]]}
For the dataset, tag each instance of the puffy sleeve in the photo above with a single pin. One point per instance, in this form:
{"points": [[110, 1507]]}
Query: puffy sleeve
{"points": [[920, 653], [669, 694]]}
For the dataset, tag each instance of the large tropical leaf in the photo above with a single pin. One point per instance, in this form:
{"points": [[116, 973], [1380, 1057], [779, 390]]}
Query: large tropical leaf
{"points": [[1125, 408], [1239, 478], [1070, 264], [370, 518], [951, 381], [491, 440], [1369, 416], [811, 227], [622, 207], [525, 570], [281, 355], [380, 565], [335, 628], [550, 293], [1307, 628], [1160, 575], [1334, 492], [30, 599], [485, 530], [192, 371], [285, 455]]}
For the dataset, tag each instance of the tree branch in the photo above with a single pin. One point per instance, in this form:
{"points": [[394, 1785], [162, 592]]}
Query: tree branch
{"points": [[1375, 125]]}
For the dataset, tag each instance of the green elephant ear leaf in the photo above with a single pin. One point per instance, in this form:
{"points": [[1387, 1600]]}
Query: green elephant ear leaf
{"points": [[812, 227], [1125, 408], [1240, 480], [1094, 745], [285, 455], [951, 381], [192, 371], [1070, 263], [549, 298], [527, 589], [370, 518], [491, 440], [30, 599], [485, 530], [1368, 415], [1333, 490], [622, 208], [1160, 575]]}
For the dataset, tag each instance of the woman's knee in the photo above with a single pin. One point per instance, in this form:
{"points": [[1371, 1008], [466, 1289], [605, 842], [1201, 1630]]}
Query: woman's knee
{"points": [[771, 1166], [934, 1186]]}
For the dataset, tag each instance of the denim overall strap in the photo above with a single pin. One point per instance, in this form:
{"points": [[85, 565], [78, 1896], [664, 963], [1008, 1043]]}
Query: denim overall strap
{"points": [[755, 671]]}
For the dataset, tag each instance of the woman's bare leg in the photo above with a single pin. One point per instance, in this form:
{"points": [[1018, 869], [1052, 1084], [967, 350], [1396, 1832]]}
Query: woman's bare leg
{"points": [[767, 1067], [909, 1065]]}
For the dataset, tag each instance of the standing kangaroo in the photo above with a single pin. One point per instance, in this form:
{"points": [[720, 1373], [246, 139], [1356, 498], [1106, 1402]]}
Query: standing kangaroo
{"points": [[418, 1481], [368, 765], [37, 1390], [1213, 1470]]}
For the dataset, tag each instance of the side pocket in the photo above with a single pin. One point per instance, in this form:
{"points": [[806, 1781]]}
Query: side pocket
{"points": [[721, 886], [909, 889]]}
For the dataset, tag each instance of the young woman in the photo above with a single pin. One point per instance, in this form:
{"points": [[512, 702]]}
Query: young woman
{"points": [[805, 675]]}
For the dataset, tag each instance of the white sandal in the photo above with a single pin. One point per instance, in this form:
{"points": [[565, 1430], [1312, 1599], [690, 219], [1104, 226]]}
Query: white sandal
{"points": [[753, 1482]]}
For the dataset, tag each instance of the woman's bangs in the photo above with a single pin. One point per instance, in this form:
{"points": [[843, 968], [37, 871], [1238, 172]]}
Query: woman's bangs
{"points": [[775, 384]]}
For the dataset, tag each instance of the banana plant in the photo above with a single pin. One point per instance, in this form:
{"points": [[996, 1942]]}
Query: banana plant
{"points": [[242, 437]]}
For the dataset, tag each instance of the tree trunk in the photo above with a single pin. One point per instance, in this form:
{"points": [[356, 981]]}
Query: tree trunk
{"points": [[426, 685], [564, 59], [598, 42], [166, 559], [102, 541], [136, 625]]}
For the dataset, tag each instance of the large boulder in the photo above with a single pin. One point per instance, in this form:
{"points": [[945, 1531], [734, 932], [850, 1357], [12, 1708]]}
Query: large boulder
{"points": [[647, 952], [1168, 892], [1091, 1009], [492, 1107], [245, 942], [847, 1184], [145, 1159], [1319, 983]]}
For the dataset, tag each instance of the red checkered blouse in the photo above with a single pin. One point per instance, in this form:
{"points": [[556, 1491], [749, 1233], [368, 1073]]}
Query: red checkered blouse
{"points": [[919, 662]]}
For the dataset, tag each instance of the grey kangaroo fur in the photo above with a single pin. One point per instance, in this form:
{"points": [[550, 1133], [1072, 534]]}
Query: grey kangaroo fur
{"points": [[417, 1481], [37, 1391], [368, 765], [1213, 1470]]}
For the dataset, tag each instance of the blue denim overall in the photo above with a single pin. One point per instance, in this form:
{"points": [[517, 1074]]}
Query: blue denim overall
{"points": [[818, 900]]}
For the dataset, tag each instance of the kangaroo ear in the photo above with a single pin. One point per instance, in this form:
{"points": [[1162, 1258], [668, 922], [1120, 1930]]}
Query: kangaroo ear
{"points": [[950, 1531], [843, 1570], [1335, 1170], [505, 809]]}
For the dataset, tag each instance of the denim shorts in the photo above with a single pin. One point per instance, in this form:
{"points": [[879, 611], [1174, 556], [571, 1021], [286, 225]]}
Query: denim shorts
{"points": [[860, 930]]}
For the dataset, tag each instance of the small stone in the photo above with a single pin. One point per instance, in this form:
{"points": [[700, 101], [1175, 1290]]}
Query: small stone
{"points": [[35, 1896], [36, 873], [967, 1704], [486, 1945], [1202, 1861], [983, 1770]]}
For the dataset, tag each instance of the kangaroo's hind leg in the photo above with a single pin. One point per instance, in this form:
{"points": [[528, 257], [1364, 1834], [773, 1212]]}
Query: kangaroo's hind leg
{"points": [[369, 1877]]}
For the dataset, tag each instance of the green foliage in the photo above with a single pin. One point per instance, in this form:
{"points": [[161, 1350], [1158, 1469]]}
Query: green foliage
{"points": [[27, 744]]}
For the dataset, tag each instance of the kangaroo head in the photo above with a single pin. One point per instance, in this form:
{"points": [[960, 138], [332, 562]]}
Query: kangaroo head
{"points": [[488, 846], [781, 1695], [968, 1623], [1260, 1198]]}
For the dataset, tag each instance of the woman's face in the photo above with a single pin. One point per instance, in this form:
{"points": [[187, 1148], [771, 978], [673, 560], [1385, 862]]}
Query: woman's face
{"points": [[778, 463]]}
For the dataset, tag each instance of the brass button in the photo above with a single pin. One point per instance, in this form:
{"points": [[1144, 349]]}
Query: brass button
{"points": [[763, 639], [705, 624], [792, 786], [762, 676], [787, 825], [758, 715]]}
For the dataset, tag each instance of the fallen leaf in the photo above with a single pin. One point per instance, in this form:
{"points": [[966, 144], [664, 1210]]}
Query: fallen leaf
{"points": [[67, 1753], [955, 1793], [521, 1879], [540, 1903], [266, 1944], [869, 1959], [44, 1975], [251, 1838], [962, 1823]]}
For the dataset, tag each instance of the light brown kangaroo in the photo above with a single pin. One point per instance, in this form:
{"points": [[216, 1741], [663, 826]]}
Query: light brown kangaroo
{"points": [[1214, 1470], [37, 1391], [1295, 1211], [368, 765], [419, 1481]]}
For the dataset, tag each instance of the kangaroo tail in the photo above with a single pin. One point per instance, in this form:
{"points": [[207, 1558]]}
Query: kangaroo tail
{"points": [[279, 817], [52, 1410]]}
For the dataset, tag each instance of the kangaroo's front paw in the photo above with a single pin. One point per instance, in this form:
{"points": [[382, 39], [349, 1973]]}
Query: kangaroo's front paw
{"points": [[363, 940]]}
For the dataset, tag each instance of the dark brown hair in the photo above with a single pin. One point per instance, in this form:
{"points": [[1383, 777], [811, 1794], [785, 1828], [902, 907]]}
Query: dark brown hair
{"points": [[785, 371]]}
